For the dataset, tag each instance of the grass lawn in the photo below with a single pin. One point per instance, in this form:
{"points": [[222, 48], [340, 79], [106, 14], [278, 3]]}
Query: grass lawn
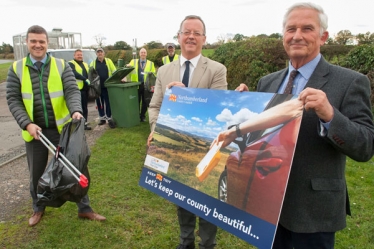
{"points": [[4, 71], [137, 218]]}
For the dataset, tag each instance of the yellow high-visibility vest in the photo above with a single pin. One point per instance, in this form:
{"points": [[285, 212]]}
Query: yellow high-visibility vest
{"points": [[109, 65], [55, 89], [79, 70], [166, 59], [149, 67]]}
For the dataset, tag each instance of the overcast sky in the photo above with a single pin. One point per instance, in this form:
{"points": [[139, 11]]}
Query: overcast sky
{"points": [[159, 20]]}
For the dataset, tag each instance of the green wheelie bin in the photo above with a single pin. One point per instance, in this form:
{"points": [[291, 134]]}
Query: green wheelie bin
{"points": [[123, 98]]}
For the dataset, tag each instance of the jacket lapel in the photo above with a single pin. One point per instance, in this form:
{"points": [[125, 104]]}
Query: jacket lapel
{"points": [[319, 76], [198, 72], [175, 71], [275, 85]]}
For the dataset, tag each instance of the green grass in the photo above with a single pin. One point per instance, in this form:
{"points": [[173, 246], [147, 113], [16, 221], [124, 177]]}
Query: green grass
{"points": [[4, 71], [137, 218]]}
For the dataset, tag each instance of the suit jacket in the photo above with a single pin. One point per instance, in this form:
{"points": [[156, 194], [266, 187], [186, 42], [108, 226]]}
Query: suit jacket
{"points": [[316, 199], [207, 74]]}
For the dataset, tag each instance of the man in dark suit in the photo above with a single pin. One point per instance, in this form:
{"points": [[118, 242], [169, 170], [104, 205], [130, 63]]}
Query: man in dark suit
{"points": [[191, 70], [337, 122]]}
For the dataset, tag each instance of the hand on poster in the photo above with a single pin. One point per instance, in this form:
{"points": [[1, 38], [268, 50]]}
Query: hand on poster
{"points": [[175, 83], [150, 139], [317, 100], [242, 88]]}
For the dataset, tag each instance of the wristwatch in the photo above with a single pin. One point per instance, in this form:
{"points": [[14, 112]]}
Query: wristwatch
{"points": [[238, 132]]}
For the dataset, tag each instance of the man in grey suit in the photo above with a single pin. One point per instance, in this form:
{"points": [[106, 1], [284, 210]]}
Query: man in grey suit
{"points": [[191, 70], [337, 122]]}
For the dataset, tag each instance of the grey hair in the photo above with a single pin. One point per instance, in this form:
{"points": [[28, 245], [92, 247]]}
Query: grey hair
{"points": [[193, 17], [323, 20]]}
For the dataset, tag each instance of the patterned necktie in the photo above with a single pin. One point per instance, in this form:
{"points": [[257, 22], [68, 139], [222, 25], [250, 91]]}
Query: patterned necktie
{"points": [[142, 65], [186, 75], [39, 65], [289, 86]]}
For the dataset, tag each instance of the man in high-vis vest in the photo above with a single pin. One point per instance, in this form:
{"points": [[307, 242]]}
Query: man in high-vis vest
{"points": [[104, 68], [142, 67], [171, 54], [42, 95], [80, 70]]}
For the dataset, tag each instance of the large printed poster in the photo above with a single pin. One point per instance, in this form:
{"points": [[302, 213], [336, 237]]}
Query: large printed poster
{"points": [[239, 187]]}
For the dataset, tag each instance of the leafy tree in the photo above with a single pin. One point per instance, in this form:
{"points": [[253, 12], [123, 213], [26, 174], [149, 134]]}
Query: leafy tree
{"points": [[262, 36], [238, 37], [278, 36], [330, 41], [154, 45], [6, 48], [344, 37], [121, 45], [367, 38]]}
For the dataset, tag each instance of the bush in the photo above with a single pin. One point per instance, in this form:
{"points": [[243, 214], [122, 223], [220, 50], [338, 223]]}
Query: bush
{"points": [[247, 61], [361, 59]]}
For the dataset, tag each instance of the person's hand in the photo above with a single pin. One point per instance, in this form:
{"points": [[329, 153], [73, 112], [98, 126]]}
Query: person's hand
{"points": [[128, 65], [175, 83], [77, 115], [88, 82], [317, 100], [226, 137], [150, 139], [124, 79], [242, 88], [33, 129]]}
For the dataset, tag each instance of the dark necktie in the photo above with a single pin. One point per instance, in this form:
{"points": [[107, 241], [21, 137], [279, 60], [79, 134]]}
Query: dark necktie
{"points": [[186, 75], [142, 65], [289, 86], [39, 65]]}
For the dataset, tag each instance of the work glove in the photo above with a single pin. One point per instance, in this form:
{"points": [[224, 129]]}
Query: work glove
{"points": [[88, 82]]}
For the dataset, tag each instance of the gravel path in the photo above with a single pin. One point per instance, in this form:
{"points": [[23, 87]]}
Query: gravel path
{"points": [[14, 176]]}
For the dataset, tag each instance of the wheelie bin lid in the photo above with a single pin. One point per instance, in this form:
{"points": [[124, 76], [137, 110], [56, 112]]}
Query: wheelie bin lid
{"points": [[118, 75]]}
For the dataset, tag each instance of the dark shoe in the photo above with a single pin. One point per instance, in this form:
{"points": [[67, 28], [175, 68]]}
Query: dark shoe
{"points": [[87, 128], [180, 246], [35, 218], [142, 120], [91, 216], [102, 122], [111, 123]]}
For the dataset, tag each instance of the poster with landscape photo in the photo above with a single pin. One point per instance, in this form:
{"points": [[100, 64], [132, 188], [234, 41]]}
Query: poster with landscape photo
{"points": [[241, 187]]}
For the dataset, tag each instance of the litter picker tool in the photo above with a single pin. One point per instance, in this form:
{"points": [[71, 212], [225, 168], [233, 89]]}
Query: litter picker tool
{"points": [[82, 179]]}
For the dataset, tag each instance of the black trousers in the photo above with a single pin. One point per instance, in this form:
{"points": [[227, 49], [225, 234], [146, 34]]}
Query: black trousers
{"points": [[84, 102], [37, 159], [286, 239], [187, 223], [143, 104]]}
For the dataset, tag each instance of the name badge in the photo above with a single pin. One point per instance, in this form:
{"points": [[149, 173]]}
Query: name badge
{"points": [[142, 73]]}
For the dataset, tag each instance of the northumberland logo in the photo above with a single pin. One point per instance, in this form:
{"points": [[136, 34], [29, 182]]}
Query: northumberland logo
{"points": [[159, 177], [173, 98]]}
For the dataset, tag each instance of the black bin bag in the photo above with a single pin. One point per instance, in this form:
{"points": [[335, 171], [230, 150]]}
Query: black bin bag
{"points": [[58, 184], [149, 87], [94, 89]]}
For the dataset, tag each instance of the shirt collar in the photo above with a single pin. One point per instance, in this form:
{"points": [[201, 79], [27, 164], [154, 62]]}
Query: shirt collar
{"points": [[43, 60], [193, 61], [306, 70]]}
